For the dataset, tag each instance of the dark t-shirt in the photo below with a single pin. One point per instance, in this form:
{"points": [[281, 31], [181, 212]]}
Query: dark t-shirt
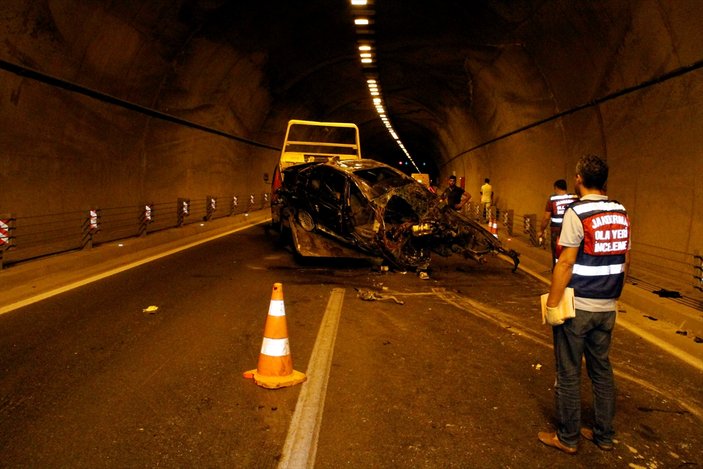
{"points": [[453, 195]]}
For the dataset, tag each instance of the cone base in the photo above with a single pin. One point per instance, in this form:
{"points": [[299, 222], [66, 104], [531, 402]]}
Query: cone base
{"points": [[275, 382]]}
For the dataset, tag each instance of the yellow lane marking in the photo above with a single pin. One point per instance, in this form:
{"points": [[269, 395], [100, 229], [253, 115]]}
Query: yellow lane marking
{"points": [[117, 270]]}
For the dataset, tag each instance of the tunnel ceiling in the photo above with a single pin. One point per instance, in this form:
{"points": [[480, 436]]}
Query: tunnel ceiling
{"points": [[427, 54], [454, 74]]}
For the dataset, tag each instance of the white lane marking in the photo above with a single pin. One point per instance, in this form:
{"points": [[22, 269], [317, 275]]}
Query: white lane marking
{"points": [[117, 270], [496, 316], [651, 338], [300, 447]]}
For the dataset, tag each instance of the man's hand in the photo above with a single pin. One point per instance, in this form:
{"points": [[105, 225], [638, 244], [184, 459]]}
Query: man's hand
{"points": [[545, 220]]}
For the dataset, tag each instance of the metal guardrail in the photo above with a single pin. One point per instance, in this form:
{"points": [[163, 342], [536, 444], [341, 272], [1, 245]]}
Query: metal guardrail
{"points": [[24, 238], [679, 270]]}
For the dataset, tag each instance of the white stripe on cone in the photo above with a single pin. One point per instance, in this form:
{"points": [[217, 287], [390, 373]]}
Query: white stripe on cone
{"points": [[276, 308], [275, 347]]}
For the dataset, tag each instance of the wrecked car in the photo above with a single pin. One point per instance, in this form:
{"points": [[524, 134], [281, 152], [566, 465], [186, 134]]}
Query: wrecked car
{"points": [[340, 205]]}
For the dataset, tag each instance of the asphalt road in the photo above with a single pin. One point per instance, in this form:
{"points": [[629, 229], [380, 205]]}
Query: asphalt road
{"points": [[459, 375]]}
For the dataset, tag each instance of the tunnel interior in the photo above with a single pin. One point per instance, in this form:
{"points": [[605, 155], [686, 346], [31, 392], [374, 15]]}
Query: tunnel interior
{"points": [[116, 103]]}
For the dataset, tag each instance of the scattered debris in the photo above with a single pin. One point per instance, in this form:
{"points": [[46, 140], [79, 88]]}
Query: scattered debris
{"points": [[666, 411], [150, 309], [698, 340], [667, 293], [650, 317], [537, 366], [423, 275], [368, 295], [682, 332]]}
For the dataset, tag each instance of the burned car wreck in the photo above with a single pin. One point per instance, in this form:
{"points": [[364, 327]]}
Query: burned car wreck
{"points": [[360, 207], [333, 203]]}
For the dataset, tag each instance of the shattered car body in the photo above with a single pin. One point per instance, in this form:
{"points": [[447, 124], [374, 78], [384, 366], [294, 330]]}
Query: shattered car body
{"points": [[364, 208]]}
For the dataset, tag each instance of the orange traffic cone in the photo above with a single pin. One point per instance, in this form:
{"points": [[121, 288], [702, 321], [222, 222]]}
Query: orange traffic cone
{"points": [[494, 228], [275, 367]]}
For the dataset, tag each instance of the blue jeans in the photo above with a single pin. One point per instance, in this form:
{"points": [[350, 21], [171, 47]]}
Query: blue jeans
{"points": [[587, 334]]}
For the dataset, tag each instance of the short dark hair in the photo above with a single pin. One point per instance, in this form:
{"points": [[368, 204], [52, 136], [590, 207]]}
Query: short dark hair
{"points": [[452, 177], [593, 171], [486, 180], [560, 184]]}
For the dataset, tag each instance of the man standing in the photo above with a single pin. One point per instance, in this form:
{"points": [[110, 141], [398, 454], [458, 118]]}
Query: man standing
{"points": [[595, 238], [454, 195], [486, 197], [554, 214]]}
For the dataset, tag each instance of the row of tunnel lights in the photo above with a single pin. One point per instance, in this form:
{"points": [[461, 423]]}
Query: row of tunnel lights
{"points": [[366, 54]]}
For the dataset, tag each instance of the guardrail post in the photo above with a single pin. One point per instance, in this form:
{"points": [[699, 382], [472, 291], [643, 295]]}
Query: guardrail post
{"points": [[183, 210], [698, 270], [91, 225], [508, 217], [530, 227], [251, 204], [477, 211], [235, 204], [147, 218], [211, 206], [7, 240]]}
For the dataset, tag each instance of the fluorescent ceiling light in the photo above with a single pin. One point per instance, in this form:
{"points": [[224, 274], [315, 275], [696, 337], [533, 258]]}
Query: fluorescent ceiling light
{"points": [[358, 2], [365, 47], [366, 61], [361, 21], [364, 55]]}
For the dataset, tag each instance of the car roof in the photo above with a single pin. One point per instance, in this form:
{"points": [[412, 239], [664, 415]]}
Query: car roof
{"points": [[351, 166]]}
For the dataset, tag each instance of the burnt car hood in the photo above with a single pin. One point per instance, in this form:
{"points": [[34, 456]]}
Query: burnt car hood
{"points": [[413, 221]]}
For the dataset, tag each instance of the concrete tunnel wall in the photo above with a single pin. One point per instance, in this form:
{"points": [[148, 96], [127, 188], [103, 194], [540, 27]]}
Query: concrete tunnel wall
{"points": [[62, 151], [652, 138], [65, 152]]}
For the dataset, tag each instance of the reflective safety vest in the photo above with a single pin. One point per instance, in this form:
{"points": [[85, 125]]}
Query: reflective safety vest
{"points": [[558, 205], [599, 270]]}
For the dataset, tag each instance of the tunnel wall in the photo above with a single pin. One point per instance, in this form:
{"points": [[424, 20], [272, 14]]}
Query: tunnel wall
{"points": [[651, 137], [63, 151]]}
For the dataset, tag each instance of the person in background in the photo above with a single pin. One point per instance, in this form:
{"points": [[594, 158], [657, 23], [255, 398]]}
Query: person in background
{"points": [[595, 238], [554, 214], [433, 187], [455, 196], [486, 198]]}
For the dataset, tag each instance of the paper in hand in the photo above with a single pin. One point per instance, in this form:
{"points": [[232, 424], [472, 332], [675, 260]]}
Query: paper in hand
{"points": [[564, 310]]}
